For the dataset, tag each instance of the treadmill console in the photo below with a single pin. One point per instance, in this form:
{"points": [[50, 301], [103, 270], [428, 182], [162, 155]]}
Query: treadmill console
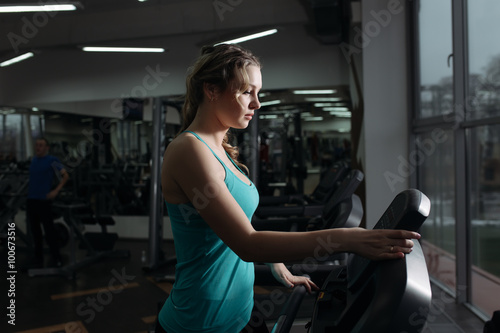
{"points": [[407, 211], [379, 296]]}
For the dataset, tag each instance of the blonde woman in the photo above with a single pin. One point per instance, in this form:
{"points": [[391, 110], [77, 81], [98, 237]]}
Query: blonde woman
{"points": [[210, 201]]}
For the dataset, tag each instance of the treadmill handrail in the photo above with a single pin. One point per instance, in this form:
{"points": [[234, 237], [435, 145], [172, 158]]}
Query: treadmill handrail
{"points": [[289, 311]]}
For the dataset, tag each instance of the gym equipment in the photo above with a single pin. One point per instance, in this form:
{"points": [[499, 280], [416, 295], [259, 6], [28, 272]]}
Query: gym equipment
{"points": [[287, 160], [326, 186], [493, 325], [13, 192], [389, 296], [379, 296], [289, 311], [345, 190], [315, 217], [347, 214], [98, 245]]}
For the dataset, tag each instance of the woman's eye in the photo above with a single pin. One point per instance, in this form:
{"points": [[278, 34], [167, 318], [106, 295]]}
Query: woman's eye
{"points": [[247, 92]]}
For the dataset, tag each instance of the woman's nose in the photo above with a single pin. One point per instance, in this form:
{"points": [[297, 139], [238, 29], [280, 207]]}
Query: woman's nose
{"points": [[255, 104]]}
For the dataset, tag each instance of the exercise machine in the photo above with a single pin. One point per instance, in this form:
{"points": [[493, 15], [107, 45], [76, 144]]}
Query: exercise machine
{"points": [[98, 245], [329, 182], [13, 192], [388, 296], [344, 190]]}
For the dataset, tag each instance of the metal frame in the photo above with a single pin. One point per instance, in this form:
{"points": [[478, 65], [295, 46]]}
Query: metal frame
{"points": [[156, 206], [462, 241]]}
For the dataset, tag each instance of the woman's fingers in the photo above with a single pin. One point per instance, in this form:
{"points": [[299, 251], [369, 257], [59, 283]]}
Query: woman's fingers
{"points": [[386, 243], [401, 234], [307, 282], [400, 244]]}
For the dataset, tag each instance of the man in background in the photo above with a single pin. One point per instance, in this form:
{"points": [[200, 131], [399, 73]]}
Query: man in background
{"points": [[43, 169]]}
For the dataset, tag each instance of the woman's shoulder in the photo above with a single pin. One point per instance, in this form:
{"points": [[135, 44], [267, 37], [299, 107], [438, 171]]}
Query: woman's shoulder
{"points": [[187, 163], [186, 150], [184, 146]]}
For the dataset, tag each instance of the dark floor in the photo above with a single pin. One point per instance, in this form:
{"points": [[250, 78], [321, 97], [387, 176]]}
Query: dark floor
{"points": [[117, 295]]}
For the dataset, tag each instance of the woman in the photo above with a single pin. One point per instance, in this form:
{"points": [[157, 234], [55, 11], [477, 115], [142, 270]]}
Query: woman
{"points": [[211, 201]]}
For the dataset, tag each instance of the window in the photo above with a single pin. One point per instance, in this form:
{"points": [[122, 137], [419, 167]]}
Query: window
{"points": [[436, 74], [461, 237], [437, 181]]}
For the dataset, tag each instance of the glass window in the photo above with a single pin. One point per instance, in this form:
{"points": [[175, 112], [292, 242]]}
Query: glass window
{"points": [[484, 59], [436, 70], [484, 165], [36, 126], [12, 148], [437, 181]]}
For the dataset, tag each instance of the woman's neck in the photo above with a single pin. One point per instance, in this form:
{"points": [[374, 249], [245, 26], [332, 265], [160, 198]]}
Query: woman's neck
{"points": [[207, 126]]}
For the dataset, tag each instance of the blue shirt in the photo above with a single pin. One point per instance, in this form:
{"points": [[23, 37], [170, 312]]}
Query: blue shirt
{"points": [[213, 289], [42, 171]]}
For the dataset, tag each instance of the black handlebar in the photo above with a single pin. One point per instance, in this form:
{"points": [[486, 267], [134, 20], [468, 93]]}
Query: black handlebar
{"points": [[289, 311]]}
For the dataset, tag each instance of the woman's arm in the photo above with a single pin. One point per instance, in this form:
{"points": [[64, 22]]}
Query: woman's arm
{"points": [[199, 176]]}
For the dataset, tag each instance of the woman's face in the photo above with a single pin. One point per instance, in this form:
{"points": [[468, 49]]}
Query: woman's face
{"points": [[236, 111]]}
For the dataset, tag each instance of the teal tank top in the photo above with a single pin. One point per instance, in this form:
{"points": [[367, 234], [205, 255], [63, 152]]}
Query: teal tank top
{"points": [[213, 288]]}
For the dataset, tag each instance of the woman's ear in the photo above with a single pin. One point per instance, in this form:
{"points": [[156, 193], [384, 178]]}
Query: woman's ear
{"points": [[211, 91]]}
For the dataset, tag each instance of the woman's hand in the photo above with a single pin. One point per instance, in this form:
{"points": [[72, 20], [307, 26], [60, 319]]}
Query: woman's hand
{"points": [[381, 244], [283, 275]]}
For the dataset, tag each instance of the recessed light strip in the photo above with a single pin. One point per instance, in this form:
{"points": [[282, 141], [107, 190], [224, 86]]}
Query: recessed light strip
{"points": [[17, 59], [336, 108], [308, 92], [313, 118], [340, 114], [36, 8], [249, 37], [277, 101], [122, 49], [323, 99]]}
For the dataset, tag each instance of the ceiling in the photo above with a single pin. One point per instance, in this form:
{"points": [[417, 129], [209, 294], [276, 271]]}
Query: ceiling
{"points": [[115, 22], [176, 25]]}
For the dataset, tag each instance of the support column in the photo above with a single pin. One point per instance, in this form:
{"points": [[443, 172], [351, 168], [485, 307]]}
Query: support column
{"points": [[156, 207]]}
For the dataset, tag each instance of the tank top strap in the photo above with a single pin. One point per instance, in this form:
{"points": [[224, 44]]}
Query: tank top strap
{"points": [[199, 138]]}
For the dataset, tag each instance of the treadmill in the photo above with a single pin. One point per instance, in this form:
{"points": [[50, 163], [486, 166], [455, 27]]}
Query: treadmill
{"points": [[388, 296]]}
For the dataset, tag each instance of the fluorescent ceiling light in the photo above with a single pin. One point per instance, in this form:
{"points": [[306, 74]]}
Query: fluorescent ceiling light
{"points": [[268, 116], [341, 114], [122, 49], [336, 108], [7, 110], [277, 101], [249, 37], [309, 92], [17, 59], [322, 99], [322, 105], [36, 8], [313, 119]]}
